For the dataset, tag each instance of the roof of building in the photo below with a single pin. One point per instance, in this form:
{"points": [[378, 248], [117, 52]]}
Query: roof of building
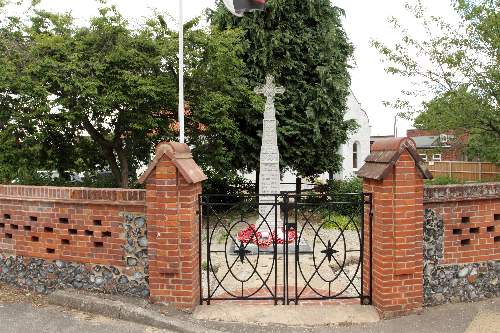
{"points": [[360, 107], [428, 141], [378, 137]]}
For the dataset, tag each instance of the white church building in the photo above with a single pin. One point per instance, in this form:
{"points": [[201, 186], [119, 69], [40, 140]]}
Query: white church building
{"points": [[354, 151], [357, 147]]}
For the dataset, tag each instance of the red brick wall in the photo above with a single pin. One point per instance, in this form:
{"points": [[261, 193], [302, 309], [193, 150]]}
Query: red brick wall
{"points": [[458, 247], [397, 285], [447, 154], [454, 153], [471, 220], [87, 226], [173, 184], [72, 224], [173, 232]]}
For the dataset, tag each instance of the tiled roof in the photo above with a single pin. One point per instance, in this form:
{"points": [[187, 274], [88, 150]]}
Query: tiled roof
{"points": [[385, 154]]}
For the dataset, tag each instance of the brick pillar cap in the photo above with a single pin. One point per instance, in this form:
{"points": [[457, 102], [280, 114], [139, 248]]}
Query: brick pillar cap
{"points": [[385, 153], [180, 155], [392, 144]]}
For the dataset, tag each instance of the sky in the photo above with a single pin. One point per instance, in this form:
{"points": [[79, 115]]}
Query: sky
{"points": [[364, 21]]}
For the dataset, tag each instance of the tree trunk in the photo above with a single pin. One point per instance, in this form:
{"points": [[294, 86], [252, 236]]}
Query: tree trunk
{"points": [[120, 172], [122, 157], [109, 155]]}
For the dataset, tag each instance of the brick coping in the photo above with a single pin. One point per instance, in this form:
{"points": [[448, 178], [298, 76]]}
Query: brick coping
{"points": [[76, 201], [73, 195], [461, 192]]}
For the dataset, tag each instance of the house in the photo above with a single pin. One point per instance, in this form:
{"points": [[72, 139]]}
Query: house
{"points": [[436, 146]]}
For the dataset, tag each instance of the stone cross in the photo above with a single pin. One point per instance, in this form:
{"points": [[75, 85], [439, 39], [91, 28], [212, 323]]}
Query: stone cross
{"points": [[269, 176], [269, 90]]}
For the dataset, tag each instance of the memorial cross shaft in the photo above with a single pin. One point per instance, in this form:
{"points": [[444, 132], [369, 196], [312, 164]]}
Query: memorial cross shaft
{"points": [[269, 176]]}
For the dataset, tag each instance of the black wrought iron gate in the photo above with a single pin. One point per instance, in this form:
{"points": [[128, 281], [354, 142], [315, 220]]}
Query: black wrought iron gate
{"points": [[285, 248]]}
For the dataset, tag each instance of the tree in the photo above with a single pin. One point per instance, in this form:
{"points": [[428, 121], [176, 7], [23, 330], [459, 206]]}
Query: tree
{"points": [[103, 94], [304, 45], [106, 80], [459, 68], [16, 153], [216, 91], [118, 85]]}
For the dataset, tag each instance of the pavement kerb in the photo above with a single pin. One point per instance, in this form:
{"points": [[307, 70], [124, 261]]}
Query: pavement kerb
{"points": [[120, 310]]}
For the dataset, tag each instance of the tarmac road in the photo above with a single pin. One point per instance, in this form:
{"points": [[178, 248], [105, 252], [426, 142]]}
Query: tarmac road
{"points": [[26, 318]]}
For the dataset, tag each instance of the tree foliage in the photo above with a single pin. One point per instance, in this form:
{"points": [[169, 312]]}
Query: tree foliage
{"points": [[15, 151], [459, 68], [102, 95], [302, 43]]}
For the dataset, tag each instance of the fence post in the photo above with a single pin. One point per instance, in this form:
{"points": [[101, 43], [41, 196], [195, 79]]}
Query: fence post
{"points": [[394, 174], [298, 186], [173, 183], [480, 171]]}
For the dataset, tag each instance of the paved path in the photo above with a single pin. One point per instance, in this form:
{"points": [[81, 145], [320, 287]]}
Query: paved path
{"points": [[478, 317], [26, 318], [318, 315]]}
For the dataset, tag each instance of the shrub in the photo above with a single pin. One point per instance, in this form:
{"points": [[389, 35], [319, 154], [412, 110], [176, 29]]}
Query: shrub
{"points": [[443, 180], [338, 198], [232, 192], [351, 185], [228, 185], [51, 178], [349, 195]]}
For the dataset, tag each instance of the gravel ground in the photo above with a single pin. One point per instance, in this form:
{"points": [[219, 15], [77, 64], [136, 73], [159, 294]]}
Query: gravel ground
{"points": [[9, 295], [255, 269]]}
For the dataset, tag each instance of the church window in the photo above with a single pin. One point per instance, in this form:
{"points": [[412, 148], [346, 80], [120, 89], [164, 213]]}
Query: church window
{"points": [[355, 149]]}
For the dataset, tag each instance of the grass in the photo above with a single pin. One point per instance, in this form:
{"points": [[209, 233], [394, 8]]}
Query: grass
{"points": [[336, 221], [204, 266], [221, 239]]}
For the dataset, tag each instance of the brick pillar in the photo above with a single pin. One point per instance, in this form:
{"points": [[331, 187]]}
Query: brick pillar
{"points": [[173, 183], [394, 174]]}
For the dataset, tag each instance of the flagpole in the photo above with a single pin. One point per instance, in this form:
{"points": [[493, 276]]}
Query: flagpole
{"points": [[181, 73]]}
